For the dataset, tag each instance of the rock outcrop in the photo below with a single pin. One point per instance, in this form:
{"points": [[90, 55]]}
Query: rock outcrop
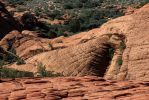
{"points": [[87, 58], [26, 43], [87, 53], [73, 88]]}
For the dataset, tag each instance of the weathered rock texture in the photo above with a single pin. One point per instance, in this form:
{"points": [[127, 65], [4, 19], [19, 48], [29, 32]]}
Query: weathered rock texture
{"points": [[87, 53], [87, 58], [73, 88], [26, 44]]}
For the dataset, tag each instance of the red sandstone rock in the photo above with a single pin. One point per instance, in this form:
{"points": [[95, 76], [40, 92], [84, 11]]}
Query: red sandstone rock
{"points": [[73, 88], [83, 54]]}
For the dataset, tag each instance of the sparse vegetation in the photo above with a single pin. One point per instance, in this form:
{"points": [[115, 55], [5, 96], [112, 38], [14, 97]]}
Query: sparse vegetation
{"points": [[8, 58], [119, 61], [11, 73], [41, 71], [16, 1], [11, 57], [111, 52], [83, 14], [122, 46]]}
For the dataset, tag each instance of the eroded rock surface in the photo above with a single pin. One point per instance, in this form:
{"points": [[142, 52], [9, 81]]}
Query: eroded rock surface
{"points": [[85, 53], [73, 88], [85, 58]]}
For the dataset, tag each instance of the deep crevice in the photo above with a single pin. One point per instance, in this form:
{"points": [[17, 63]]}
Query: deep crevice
{"points": [[101, 63]]}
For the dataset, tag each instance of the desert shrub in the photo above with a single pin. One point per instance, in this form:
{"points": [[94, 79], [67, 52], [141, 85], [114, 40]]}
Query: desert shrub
{"points": [[83, 1], [2, 63], [119, 61], [29, 21], [54, 29], [122, 46], [55, 14], [78, 4], [134, 3], [11, 57], [111, 51], [44, 8], [68, 6], [89, 16], [91, 3], [11, 73], [97, 15], [37, 11], [41, 71], [86, 13], [18, 60], [90, 13], [74, 25], [17, 1]]}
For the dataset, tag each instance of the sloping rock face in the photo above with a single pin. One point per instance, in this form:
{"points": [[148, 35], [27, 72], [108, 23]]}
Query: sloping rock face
{"points": [[85, 58], [136, 55], [26, 43], [73, 88], [87, 53]]}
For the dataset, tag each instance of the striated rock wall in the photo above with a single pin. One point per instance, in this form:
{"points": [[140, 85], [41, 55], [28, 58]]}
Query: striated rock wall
{"points": [[86, 53], [87, 58], [136, 55]]}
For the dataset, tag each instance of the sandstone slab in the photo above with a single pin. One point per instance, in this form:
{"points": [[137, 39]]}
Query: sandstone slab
{"points": [[73, 88]]}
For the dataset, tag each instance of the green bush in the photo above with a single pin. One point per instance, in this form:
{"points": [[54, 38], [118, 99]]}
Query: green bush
{"points": [[74, 25], [119, 61], [56, 14], [42, 8], [11, 73], [91, 3], [78, 4], [89, 13], [125, 3], [68, 6], [17, 1], [41, 71], [111, 52], [84, 14], [11, 57], [122, 46]]}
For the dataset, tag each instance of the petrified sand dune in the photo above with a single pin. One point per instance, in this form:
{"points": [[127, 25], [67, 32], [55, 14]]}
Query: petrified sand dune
{"points": [[73, 88], [86, 58], [87, 53], [84, 54]]}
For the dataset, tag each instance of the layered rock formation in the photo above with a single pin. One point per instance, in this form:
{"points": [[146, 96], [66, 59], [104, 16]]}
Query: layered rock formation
{"points": [[87, 58], [73, 88], [117, 50], [87, 53]]}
